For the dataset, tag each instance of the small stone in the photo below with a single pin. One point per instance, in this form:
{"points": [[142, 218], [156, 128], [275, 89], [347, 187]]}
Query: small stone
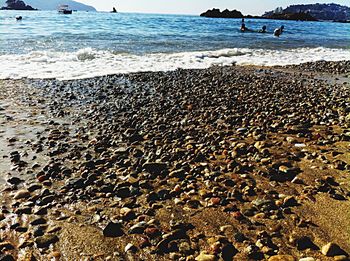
{"points": [[54, 255], [290, 201], [113, 230], [155, 167], [14, 181], [332, 249], [184, 247], [284, 169], [341, 258], [291, 140], [215, 201], [24, 210], [6, 257], [152, 232], [130, 248], [38, 221], [174, 256], [282, 258], [297, 180], [22, 194], [25, 244], [34, 187], [138, 228], [203, 256], [127, 213], [46, 241], [225, 228], [305, 242], [228, 251], [6, 246]]}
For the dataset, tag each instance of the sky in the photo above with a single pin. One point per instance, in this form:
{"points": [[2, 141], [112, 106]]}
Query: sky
{"points": [[253, 7]]}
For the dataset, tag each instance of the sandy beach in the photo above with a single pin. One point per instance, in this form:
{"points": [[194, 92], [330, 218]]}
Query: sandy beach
{"points": [[225, 163]]}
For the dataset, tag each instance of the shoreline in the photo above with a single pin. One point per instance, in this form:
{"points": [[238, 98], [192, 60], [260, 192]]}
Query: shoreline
{"points": [[235, 161]]}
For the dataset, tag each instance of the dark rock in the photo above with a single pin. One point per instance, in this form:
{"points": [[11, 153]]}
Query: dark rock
{"points": [[155, 167], [228, 252], [34, 187], [24, 210], [113, 230], [14, 181], [45, 241], [215, 13], [138, 228], [122, 192], [305, 242], [38, 221], [6, 257], [6, 246], [332, 249]]}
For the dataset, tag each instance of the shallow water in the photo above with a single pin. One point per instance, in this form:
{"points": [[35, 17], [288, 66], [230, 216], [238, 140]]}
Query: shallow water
{"points": [[46, 44]]}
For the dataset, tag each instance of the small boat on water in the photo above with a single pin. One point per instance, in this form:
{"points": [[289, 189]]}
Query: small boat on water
{"points": [[64, 9]]}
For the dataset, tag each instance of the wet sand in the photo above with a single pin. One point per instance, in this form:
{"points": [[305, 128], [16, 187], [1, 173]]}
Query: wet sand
{"points": [[237, 163]]}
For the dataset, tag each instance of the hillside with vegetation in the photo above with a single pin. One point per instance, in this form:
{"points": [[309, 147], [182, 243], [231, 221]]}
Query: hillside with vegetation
{"points": [[333, 12], [16, 5], [53, 4]]}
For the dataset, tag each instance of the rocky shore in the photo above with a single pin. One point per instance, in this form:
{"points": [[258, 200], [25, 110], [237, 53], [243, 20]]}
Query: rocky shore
{"points": [[227, 163]]}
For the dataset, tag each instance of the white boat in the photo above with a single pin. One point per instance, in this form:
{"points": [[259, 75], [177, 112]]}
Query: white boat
{"points": [[64, 9]]}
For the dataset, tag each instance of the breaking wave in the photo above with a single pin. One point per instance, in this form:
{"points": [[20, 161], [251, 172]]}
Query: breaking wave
{"points": [[88, 62]]}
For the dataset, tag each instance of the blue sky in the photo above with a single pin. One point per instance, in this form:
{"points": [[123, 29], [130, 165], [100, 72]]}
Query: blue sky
{"points": [[254, 7]]}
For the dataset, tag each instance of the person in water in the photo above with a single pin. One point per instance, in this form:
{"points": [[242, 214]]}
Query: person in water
{"points": [[263, 29], [243, 28], [278, 31]]}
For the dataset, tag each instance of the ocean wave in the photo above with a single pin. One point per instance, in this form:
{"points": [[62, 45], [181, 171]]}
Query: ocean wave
{"points": [[88, 62]]}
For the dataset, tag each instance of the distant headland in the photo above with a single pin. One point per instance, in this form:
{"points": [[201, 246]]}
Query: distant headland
{"points": [[309, 12], [48, 5], [17, 5]]}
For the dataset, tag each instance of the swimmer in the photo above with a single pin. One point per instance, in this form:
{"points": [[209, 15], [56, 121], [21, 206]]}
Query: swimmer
{"points": [[263, 29], [278, 31]]}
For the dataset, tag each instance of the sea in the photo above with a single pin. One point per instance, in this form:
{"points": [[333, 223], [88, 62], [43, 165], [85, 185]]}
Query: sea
{"points": [[46, 44]]}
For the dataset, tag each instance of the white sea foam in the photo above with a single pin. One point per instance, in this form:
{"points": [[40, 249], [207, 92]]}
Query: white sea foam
{"points": [[88, 62]]}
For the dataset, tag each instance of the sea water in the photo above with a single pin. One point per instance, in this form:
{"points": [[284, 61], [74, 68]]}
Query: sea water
{"points": [[46, 44]]}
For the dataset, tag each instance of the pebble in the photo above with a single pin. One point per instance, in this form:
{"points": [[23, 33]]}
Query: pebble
{"points": [[130, 248], [38, 221], [45, 241], [138, 228], [113, 230], [6, 246], [6, 257], [332, 249], [14, 181], [305, 242], [225, 228], [203, 256], [282, 258], [341, 258], [22, 194]]}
